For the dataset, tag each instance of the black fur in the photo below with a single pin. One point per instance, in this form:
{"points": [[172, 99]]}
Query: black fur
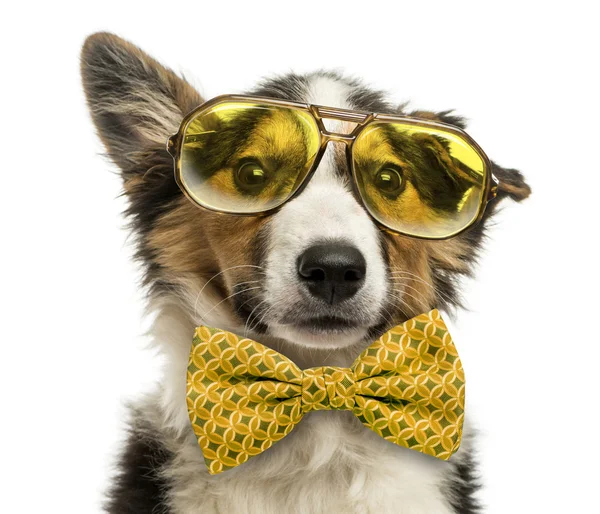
{"points": [[139, 487], [148, 200], [295, 87], [246, 305], [463, 486], [285, 87]]}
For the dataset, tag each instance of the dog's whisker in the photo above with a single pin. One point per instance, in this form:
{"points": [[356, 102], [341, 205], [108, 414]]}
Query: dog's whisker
{"points": [[436, 290], [234, 286], [400, 306], [420, 293], [403, 302], [423, 303], [215, 276], [246, 326], [203, 316], [249, 299], [399, 303], [264, 315], [390, 317]]}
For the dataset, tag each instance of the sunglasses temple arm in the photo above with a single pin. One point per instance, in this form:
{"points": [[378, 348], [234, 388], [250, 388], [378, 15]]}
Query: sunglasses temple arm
{"points": [[494, 187]]}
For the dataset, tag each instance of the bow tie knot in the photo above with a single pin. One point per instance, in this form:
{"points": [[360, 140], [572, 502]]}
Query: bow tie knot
{"points": [[327, 388]]}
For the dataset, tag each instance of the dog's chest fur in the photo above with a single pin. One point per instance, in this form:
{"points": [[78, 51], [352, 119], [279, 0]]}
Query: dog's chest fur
{"points": [[329, 464]]}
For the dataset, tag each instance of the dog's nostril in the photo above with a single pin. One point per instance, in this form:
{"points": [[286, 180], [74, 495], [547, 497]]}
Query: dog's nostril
{"points": [[352, 275], [316, 274], [332, 272]]}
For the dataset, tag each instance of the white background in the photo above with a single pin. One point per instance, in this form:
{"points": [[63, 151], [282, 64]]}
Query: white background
{"points": [[71, 343]]}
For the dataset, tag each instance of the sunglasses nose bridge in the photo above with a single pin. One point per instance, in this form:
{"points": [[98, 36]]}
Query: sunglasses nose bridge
{"points": [[355, 120], [345, 140], [328, 137]]}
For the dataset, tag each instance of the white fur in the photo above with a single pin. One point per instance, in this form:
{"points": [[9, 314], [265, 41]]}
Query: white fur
{"points": [[330, 463]]}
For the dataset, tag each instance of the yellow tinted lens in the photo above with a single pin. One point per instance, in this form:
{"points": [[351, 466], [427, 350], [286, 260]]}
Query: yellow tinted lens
{"points": [[421, 181], [247, 157]]}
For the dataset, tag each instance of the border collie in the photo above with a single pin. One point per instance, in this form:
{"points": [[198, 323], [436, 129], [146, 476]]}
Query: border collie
{"points": [[237, 273]]}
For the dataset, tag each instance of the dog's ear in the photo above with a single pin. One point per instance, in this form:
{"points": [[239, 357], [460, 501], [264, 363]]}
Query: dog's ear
{"points": [[511, 184], [135, 102]]}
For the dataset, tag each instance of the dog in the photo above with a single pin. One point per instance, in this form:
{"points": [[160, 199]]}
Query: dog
{"points": [[239, 273]]}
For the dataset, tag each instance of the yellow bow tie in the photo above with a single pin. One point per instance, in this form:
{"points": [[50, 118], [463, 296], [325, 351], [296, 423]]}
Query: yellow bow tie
{"points": [[408, 387]]}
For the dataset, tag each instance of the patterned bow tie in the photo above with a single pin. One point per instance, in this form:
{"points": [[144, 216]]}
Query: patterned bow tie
{"points": [[408, 387]]}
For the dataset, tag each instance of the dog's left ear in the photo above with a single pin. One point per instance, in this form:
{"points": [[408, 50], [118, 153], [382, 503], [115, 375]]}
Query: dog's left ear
{"points": [[511, 182]]}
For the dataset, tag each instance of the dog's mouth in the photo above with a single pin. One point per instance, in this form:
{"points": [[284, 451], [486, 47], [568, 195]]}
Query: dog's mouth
{"points": [[325, 324], [321, 331], [304, 325]]}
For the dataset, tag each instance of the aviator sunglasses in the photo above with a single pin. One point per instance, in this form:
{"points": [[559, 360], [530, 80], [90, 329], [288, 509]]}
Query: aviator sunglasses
{"points": [[249, 155]]}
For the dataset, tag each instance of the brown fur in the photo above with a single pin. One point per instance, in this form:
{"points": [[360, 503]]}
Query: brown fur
{"points": [[191, 241]]}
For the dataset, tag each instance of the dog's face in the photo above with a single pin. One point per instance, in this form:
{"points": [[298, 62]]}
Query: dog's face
{"points": [[318, 272]]}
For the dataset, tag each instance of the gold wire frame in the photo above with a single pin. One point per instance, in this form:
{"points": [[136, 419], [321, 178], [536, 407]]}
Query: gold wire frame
{"points": [[362, 119]]}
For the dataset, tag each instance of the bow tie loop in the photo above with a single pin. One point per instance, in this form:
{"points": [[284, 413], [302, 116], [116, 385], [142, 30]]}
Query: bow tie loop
{"points": [[327, 388]]}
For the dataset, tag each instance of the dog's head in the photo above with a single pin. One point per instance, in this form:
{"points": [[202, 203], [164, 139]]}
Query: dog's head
{"points": [[318, 272]]}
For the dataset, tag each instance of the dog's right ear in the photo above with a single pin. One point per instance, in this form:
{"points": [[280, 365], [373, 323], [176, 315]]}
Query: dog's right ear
{"points": [[135, 102]]}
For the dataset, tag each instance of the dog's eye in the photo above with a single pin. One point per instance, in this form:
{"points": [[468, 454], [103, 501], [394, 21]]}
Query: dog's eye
{"points": [[251, 177], [389, 181]]}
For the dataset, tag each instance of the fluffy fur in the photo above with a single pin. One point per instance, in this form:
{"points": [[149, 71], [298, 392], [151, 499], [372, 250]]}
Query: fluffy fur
{"points": [[330, 462]]}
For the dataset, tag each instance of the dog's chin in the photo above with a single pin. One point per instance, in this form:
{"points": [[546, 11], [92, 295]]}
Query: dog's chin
{"points": [[318, 334]]}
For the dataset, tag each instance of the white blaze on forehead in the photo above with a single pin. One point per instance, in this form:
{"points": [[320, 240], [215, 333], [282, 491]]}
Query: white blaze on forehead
{"points": [[325, 210], [329, 92]]}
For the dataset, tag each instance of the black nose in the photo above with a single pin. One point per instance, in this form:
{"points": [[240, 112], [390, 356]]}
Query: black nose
{"points": [[333, 272]]}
